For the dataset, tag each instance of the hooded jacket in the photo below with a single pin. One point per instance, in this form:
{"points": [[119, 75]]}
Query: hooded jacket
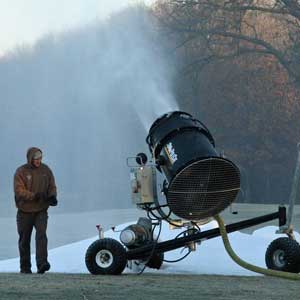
{"points": [[29, 180]]}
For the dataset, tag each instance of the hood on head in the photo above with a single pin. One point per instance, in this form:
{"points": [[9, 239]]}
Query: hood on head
{"points": [[30, 153]]}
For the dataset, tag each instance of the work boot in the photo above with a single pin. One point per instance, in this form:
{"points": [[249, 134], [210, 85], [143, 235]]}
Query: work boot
{"points": [[43, 268], [25, 271]]}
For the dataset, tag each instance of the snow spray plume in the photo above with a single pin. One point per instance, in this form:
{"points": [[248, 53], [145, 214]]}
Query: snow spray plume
{"points": [[86, 98]]}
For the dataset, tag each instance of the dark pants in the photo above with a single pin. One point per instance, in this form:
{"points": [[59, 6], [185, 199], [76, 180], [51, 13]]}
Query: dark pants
{"points": [[25, 224]]}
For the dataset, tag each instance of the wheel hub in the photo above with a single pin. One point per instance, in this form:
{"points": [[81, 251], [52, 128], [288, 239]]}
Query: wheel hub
{"points": [[104, 258], [279, 258]]}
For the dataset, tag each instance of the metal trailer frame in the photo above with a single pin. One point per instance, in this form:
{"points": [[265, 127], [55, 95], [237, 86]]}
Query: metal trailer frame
{"points": [[169, 245]]}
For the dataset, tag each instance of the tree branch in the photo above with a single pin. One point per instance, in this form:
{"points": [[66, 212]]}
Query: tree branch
{"points": [[233, 7], [266, 47]]}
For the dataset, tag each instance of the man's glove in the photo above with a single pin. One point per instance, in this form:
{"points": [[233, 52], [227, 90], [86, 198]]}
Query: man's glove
{"points": [[40, 196], [52, 201]]}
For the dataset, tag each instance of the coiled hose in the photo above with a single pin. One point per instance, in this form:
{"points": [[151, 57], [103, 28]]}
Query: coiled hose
{"points": [[244, 264]]}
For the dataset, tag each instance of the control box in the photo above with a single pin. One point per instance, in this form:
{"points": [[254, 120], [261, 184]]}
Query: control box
{"points": [[143, 185]]}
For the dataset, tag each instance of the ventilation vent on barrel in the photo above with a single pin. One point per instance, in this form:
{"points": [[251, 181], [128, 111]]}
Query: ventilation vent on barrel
{"points": [[204, 188]]}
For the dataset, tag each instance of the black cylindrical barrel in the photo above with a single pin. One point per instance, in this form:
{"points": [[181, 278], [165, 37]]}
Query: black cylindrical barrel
{"points": [[201, 183]]}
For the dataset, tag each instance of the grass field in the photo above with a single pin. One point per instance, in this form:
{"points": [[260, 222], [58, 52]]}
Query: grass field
{"points": [[145, 286]]}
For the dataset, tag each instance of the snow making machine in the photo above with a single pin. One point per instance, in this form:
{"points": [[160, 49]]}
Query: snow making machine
{"points": [[197, 184]]}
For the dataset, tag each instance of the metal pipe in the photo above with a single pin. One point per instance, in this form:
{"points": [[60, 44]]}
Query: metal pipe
{"points": [[287, 228]]}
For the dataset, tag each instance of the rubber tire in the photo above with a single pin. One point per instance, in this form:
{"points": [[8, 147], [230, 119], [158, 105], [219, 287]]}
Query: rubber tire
{"points": [[117, 251], [155, 261], [291, 250]]}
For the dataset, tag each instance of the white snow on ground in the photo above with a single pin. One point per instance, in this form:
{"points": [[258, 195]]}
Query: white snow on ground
{"points": [[209, 258]]}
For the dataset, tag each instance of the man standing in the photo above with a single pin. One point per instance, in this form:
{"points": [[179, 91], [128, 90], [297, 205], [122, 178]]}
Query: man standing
{"points": [[35, 190]]}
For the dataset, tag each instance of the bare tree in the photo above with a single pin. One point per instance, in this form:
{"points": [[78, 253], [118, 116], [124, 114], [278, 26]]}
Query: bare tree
{"points": [[225, 29]]}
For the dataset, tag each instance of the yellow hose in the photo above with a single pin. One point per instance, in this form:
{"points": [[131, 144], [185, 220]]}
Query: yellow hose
{"points": [[246, 265]]}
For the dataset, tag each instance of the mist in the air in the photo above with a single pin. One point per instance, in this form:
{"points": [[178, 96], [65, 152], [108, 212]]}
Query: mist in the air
{"points": [[87, 98]]}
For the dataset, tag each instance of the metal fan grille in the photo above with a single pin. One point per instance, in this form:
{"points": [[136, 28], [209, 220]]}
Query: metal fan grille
{"points": [[203, 188]]}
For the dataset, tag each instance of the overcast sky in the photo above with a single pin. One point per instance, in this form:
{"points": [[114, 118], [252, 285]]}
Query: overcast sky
{"points": [[24, 21]]}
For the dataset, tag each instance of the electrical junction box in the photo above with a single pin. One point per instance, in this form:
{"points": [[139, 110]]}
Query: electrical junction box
{"points": [[143, 185]]}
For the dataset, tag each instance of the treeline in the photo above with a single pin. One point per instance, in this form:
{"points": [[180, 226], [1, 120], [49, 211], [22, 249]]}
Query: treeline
{"points": [[238, 70]]}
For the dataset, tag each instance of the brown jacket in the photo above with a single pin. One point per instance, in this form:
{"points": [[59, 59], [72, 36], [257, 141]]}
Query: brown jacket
{"points": [[29, 180]]}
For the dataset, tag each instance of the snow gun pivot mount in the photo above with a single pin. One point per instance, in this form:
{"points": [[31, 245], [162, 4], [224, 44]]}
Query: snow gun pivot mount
{"points": [[196, 184]]}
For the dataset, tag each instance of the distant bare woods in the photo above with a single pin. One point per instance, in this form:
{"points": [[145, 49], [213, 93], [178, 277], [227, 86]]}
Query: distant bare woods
{"points": [[238, 69]]}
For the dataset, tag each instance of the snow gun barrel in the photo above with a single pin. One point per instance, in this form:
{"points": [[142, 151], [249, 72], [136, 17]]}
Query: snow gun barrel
{"points": [[201, 183]]}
